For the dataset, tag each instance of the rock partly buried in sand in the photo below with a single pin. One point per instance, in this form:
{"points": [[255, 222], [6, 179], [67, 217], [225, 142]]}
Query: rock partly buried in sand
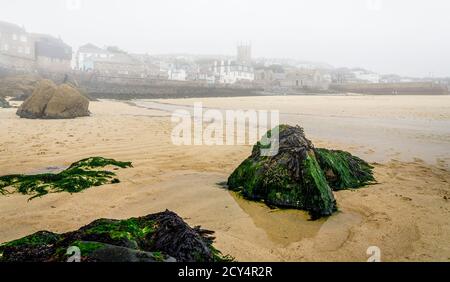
{"points": [[4, 103], [298, 176], [49, 101], [161, 237]]}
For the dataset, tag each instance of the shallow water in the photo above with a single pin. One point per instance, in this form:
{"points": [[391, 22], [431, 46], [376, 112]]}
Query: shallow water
{"points": [[282, 226], [376, 139]]}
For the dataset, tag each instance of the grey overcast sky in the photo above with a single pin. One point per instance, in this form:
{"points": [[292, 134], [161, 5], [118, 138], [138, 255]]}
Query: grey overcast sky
{"points": [[408, 37]]}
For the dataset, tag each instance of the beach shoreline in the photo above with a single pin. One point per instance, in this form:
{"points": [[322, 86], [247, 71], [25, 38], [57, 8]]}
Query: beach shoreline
{"points": [[406, 214]]}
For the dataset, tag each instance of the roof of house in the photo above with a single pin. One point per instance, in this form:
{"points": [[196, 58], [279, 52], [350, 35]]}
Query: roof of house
{"points": [[91, 47], [118, 59], [11, 27], [52, 47]]}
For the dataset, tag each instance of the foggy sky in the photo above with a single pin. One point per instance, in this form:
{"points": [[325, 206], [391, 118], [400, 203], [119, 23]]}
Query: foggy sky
{"points": [[408, 37]]}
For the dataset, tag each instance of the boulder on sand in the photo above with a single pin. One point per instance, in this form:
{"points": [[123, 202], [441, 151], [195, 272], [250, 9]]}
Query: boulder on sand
{"points": [[67, 102], [49, 101], [156, 237], [299, 176], [34, 106]]}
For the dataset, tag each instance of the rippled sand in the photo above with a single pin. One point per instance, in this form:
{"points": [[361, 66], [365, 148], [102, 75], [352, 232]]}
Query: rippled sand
{"points": [[406, 215]]}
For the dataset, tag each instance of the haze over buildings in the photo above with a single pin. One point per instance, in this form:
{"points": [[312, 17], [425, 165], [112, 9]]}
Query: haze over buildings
{"points": [[398, 36]]}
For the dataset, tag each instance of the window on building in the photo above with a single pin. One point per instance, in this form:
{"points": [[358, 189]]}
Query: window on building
{"points": [[23, 38], [6, 47], [27, 50], [14, 36], [20, 49]]}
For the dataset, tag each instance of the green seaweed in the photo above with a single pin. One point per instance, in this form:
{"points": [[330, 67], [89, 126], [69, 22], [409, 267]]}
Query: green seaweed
{"points": [[36, 239], [158, 256], [86, 247], [344, 170], [165, 235], [319, 196], [130, 229], [78, 177], [298, 176]]}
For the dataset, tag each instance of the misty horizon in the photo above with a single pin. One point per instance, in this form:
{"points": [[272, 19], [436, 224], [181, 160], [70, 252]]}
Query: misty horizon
{"points": [[401, 37]]}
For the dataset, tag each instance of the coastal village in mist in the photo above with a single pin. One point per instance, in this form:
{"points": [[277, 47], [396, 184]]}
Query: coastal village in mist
{"points": [[122, 143], [97, 65]]}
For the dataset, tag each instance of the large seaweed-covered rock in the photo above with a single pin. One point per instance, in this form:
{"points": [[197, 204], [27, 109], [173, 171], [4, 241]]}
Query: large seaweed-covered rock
{"points": [[292, 178], [153, 238], [299, 175], [49, 101]]}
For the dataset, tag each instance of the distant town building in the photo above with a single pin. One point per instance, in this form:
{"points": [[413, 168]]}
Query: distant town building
{"points": [[345, 75], [366, 76], [52, 54], [244, 54], [177, 74], [269, 75], [231, 72], [16, 47], [86, 54], [117, 65], [306, 79], [152, 66], [109, 61], [23, 51]]}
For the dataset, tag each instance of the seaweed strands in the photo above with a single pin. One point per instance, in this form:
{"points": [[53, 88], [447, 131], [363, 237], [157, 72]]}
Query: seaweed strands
{"points": [[79, 176]]}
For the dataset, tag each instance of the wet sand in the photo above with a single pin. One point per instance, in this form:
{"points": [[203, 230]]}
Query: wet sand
{"points": [[406, 215]]}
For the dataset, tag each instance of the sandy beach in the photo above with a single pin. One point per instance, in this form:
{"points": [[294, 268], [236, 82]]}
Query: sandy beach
{"points": [[407, 139]]}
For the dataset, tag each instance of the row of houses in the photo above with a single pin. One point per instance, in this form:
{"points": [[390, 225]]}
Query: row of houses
{"points": [[26, 51], [111, 61], [29, 51], [277, 76]]}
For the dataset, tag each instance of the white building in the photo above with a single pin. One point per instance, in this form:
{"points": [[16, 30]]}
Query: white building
{"points": [[177, 74], [232, 72], [365, 76], [87, 54]]}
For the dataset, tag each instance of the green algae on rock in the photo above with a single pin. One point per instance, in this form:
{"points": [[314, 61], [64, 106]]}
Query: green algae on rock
{"points": [[157, 237], [78, 177], [343, 170], [296, 177]]}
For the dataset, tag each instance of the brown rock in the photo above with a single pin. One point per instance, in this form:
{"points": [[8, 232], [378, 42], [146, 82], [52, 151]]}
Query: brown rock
{"points": [[34, 106], [49, 101], [67, 102]]}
